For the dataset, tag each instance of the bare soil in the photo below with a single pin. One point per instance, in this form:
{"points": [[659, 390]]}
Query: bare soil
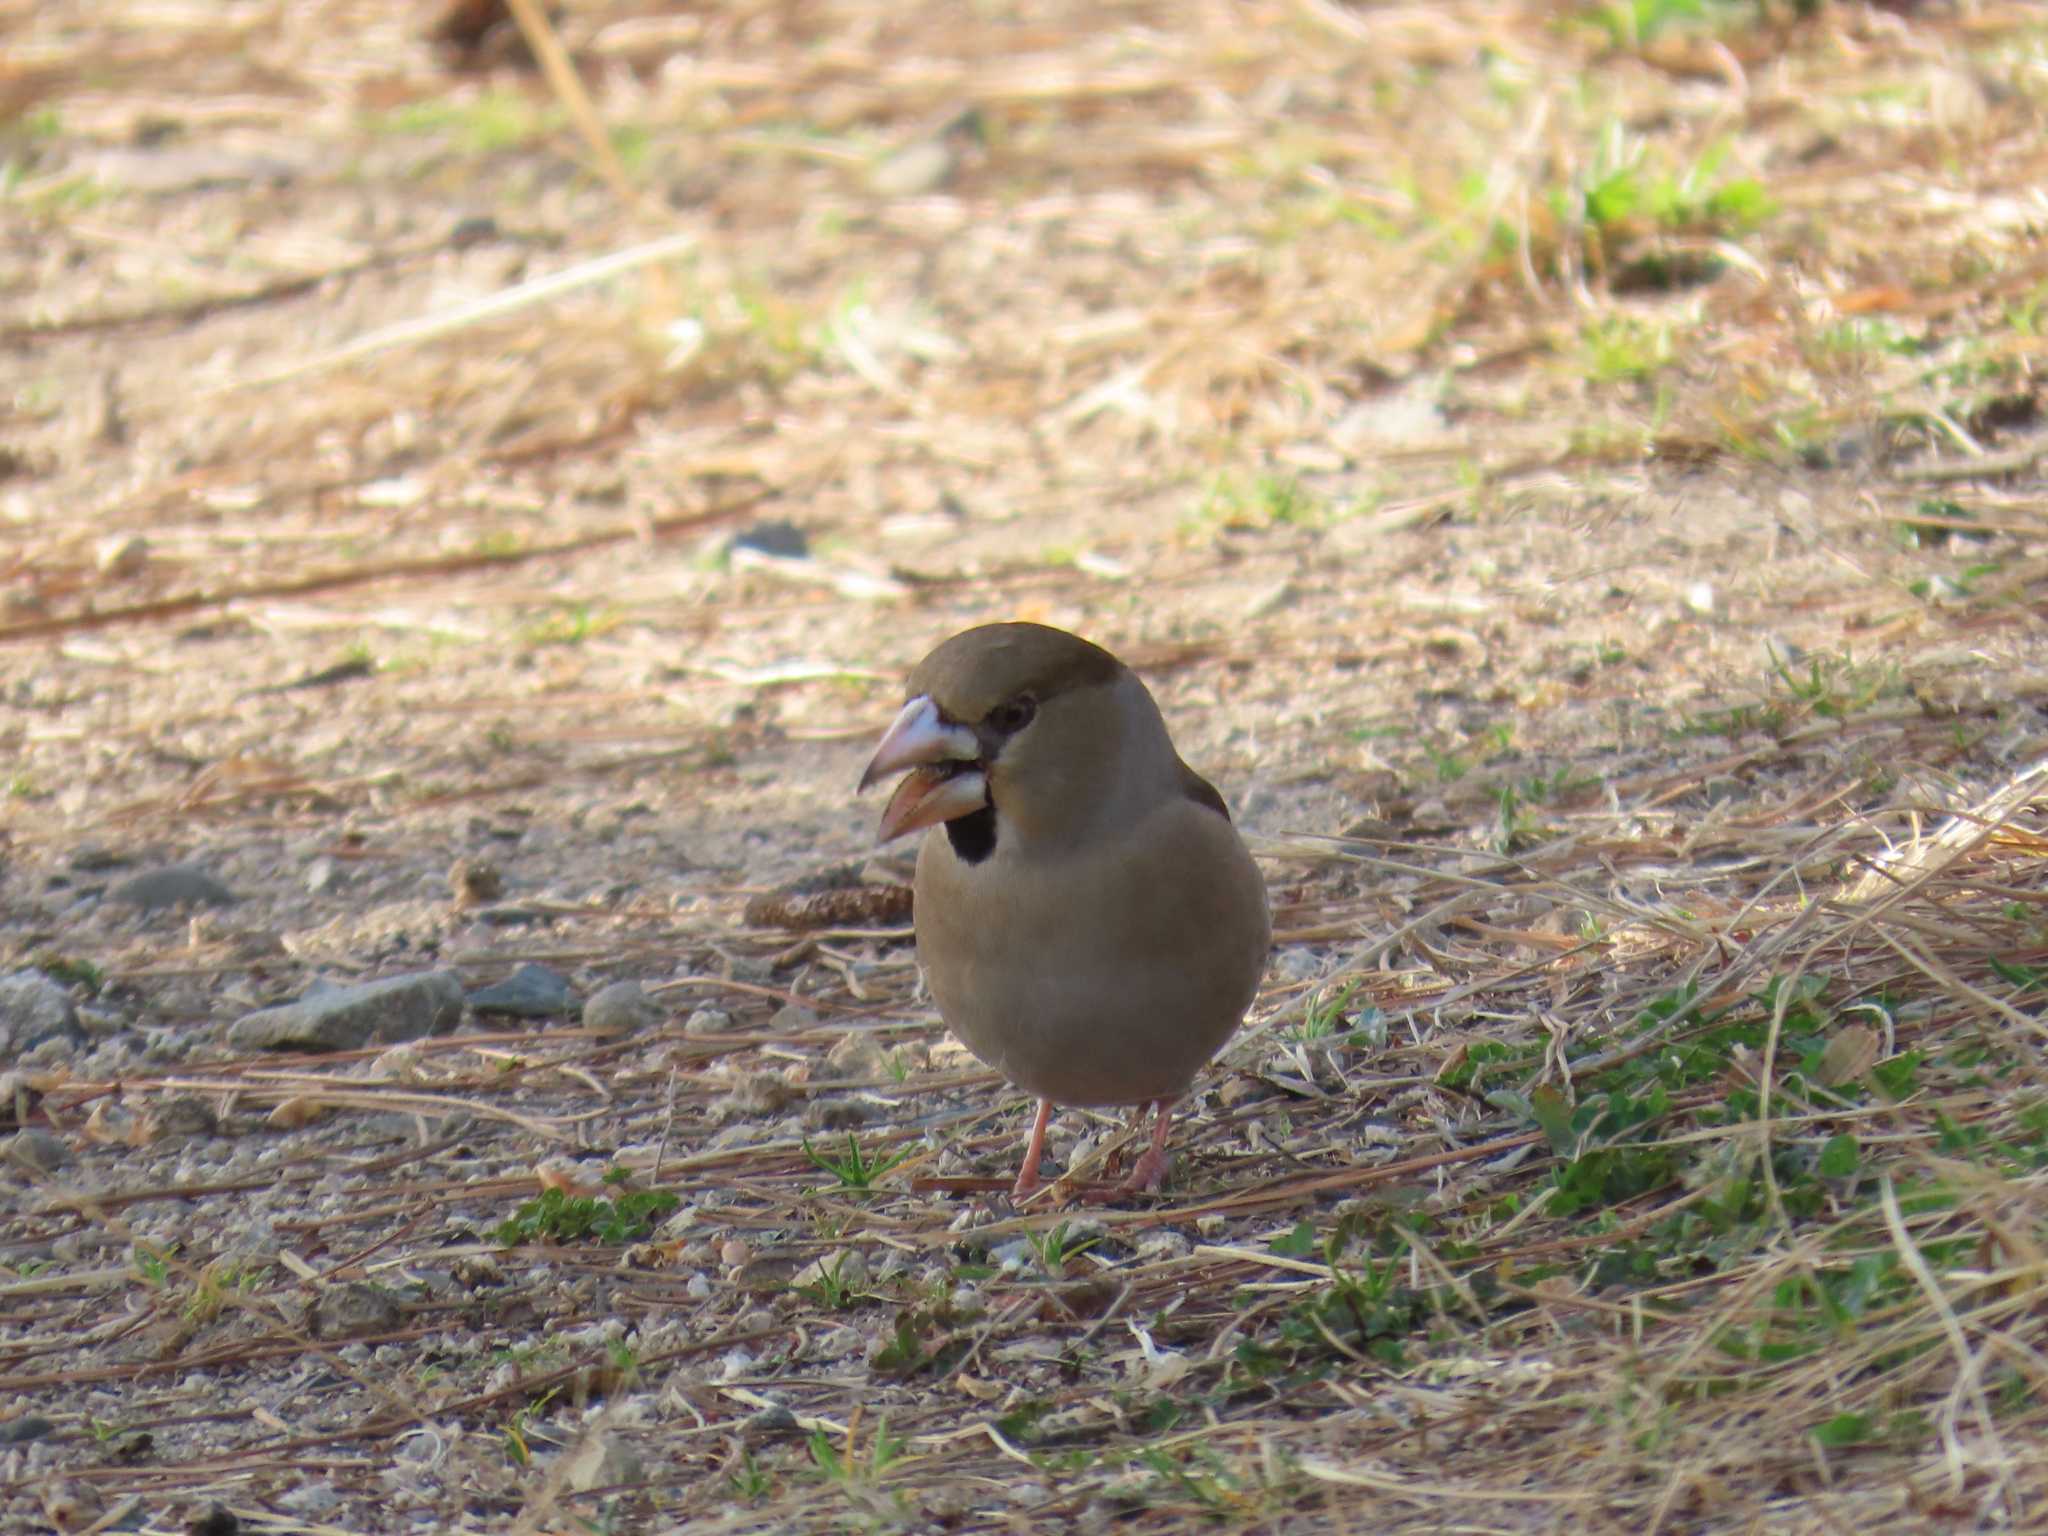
{"points": [[1572, 475]]}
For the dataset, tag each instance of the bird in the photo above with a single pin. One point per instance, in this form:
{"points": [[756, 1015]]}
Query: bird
{"points": [[1088, 919]]}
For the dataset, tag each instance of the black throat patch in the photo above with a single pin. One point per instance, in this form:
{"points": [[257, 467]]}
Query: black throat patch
{"points": [[973, 836]]}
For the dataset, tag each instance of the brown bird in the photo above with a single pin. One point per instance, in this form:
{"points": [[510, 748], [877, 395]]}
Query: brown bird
{"points": [[1088, 919]]}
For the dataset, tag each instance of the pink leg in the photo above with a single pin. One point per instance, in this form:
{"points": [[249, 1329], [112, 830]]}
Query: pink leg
{"points": [[1034, 1153], [1150, 1171]]}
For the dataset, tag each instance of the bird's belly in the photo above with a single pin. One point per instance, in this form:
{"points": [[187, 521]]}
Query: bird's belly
{"points": [[1067, 1012]]}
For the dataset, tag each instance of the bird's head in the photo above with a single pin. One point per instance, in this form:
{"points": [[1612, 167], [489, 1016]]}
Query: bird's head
{"points": [[1022, 724]]}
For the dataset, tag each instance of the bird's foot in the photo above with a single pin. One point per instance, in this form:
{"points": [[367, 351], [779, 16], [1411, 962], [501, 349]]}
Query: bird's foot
{"points": [[1149, 1172], [1028, 1180], [1146, 1177]]}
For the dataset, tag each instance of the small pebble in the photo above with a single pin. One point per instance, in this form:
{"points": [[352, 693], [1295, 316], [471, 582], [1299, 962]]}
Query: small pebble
{"points": [[331, 1018], [33, 1009], [837, 1114], [531, 992], [122, 554], [603, 1461], [351, 1310], [854, 1058], [186, 1116], [792, 1018], [24, 1428], [175, 885], [37, 1150], [475, 880], [619, 1009], [772, 1420]]}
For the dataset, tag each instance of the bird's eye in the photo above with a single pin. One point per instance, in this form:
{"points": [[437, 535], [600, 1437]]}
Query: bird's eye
{"points": [[1012, 716]]}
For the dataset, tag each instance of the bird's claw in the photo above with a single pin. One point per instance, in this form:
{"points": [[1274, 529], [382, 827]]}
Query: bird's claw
{"points": [[1147, 1176]]}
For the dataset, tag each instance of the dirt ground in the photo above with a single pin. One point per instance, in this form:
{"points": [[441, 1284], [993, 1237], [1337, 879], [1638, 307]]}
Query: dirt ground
{"points": [[1572, 476]]}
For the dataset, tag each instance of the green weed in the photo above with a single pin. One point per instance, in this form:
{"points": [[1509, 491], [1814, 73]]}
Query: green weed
{"points": [[857, 1170], [557, 1217], [494, 120]]}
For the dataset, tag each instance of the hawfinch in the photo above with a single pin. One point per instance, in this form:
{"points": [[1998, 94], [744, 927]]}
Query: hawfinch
{"points": [[1089, 921]]}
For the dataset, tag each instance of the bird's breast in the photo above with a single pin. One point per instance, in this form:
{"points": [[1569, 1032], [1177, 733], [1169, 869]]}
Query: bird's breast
{"points": [[1107, 975]]}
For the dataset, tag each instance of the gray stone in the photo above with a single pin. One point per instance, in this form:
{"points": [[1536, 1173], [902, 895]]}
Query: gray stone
{"points": [[773, 1420], [175, 885], [856, 1056], [619, 1009], [348, 1018], [1296, 965], [351, 1310], [603, 1461], [322, 876], [186, 1116], [37, 1150], [531, 992], [475, 880], [24, 1428], [33, 1008], [707, 1021], [17, 1099], [122, 554], [89, 858], [774, 536], [837, 1114]]}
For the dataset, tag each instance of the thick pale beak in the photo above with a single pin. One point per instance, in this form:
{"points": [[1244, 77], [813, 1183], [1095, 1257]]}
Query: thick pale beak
{"points": [[939, 785]]}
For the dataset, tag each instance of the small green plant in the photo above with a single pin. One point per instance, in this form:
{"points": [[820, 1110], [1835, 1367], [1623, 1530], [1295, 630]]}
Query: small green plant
{"points": [[1868, 333], [623, 1358], [563, 1218], [927, 1338], [1055, 1246], [1631, 23], [1936, 522], [495, 120], [832, 1290], [215, 1284], [1449, 767], [782, 338], [1739, 720], [1267, 500], [1834, 687], [1362, 1310], [849, 1466], [749, 1480], [1519, 826], [570, 624], [498, 544], [153, 1267], [65, 194], [1619, 349], [857, 1170], [1325, 1014], [513, 1436], [1938, 589], [70, 972], [1298, 1242], [1622, 192]]}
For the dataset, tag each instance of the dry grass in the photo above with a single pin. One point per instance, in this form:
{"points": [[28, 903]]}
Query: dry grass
{"points": [[1573, 474]]}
